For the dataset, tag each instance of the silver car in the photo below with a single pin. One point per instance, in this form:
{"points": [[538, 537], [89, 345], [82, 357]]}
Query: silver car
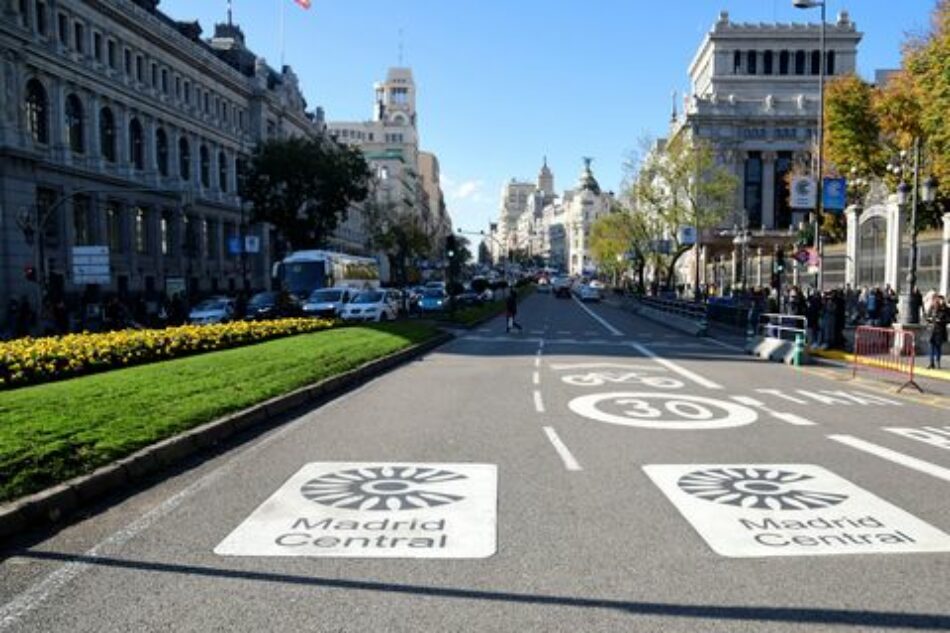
{"points": [[327, 302]]}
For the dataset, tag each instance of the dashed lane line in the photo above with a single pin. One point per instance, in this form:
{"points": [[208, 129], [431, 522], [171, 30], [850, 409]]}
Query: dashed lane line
{"points": [[565, 454], [538, 402], [536, 378], [682, 371], [893, 456]]}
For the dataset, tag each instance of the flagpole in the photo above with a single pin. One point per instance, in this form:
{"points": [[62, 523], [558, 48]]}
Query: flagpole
{"points": [[282, 3]]}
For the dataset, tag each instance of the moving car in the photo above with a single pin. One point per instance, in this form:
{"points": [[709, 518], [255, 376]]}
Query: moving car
{"points": [[587, 292], [544, 285], [370, 305], [327, 302], [213, 310], [433, 300], [270, 305], [562, 287]]}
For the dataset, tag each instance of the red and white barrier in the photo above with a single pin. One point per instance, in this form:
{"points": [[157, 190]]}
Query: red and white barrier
{"points": [[886, 350]]}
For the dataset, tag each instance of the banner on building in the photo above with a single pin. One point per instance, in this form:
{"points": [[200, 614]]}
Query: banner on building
{"points": [[91, 265], [803, 193], [834, 194]]}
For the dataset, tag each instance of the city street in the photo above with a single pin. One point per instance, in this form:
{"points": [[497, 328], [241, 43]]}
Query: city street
{"points": [[593, 472]]}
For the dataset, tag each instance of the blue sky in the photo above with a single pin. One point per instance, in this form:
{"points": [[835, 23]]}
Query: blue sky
{"points": [[503, 83]]}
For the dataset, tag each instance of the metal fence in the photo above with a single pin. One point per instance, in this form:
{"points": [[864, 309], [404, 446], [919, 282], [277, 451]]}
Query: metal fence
{"points": [[782, 326], [886, 350]]}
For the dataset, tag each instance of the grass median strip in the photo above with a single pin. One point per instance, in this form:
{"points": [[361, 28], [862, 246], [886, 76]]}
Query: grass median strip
{"points": [[53, 432]]}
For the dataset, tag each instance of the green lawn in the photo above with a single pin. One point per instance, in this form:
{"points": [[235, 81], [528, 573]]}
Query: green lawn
{"points": [[50, 433]]}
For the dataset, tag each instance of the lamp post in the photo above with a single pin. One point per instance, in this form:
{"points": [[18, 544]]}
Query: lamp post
{"points": [[912, 194], [811, 4], [741, 241]]}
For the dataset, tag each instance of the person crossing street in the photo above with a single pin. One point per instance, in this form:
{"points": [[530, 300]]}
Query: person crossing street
{"points": [[511, 310]]}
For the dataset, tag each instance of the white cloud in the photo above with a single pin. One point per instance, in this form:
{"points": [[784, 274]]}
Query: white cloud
{"points": [[469, 189]]}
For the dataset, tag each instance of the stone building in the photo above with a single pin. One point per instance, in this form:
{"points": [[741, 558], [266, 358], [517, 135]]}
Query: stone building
{"points": [[123, 128]]}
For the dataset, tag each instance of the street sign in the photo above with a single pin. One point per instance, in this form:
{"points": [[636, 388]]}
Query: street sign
{"points": [[90, 265], [687, 235], [375, 510], [234, 245], [760, 510], [835, 194], [803, 193], [252, 244]]}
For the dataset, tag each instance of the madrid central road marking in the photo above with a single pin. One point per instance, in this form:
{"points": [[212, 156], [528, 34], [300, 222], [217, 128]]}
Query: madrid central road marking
{"points": [[375, 510], [760, 510]]}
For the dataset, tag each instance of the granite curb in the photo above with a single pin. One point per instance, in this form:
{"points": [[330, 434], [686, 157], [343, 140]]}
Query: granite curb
{"points": [[53, 504]]}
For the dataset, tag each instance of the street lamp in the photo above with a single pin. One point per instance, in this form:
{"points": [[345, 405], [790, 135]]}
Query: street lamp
{"points": [[741, 241], [811, 4], [912, 194]]}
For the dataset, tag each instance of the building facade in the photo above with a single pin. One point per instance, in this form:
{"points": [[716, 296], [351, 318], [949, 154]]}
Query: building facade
{"points": [[123, 128]]}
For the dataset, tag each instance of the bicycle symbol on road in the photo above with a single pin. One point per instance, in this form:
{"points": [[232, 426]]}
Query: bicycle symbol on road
{"points": [[614, 373], [663, 411]]}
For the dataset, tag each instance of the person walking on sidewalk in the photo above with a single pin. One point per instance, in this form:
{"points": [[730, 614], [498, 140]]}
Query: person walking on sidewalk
{"points": [[511, 310], [939, 317]]}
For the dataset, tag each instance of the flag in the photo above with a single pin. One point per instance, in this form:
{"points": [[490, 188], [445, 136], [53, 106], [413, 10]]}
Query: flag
{"points": [[303, 3]]}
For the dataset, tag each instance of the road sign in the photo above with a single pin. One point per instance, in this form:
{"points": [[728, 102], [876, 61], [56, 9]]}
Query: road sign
{"points": [[252, 244], [834, 194], [687, 235], [760, 510], [234, 245], [374, 510], [803, 193], [90, 265]]}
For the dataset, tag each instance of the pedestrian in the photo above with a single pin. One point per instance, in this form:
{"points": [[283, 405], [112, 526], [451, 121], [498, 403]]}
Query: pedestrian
{"points": [[939, 317], [511, 310]]}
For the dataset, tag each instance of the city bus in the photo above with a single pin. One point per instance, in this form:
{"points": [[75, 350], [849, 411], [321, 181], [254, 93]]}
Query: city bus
{"points": [[303, 272]]}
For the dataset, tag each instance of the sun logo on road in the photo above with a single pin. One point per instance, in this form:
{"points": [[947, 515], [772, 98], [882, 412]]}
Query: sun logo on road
{"points": [[386, 488], [757, 488]]}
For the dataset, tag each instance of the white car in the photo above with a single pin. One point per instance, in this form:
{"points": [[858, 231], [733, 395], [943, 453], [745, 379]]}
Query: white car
{"points": [[215, 310], [327, 302], [371, 305], [587, 292]]}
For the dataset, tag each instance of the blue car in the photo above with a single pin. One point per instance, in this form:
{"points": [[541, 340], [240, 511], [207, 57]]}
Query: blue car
{"points": [[433, 300]]}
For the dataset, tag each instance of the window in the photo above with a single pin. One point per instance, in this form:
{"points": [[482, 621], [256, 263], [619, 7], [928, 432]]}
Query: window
{"points": [[136, 144], [753, 62], [161, 151], [165, 80], [141, 230], [177, 87], [163, 229], [24, 10], [204, 156], [192, 237], [184, 159], [815, 62], [110, 54], [41, 23], [222, 172], [154, 77], [114, 227], [400, 96], [74, 124], [830, 63], [97, 46], [107, 134], [79, 34], [127, 59], [767, 63], [799, 62], [63, 29], [783, 210], [211, 238], [207, 103], [783, 63], [37, 111], [241, 120], [82, 221], [139, 68], [224, 112], [240, 168], [187, 93], [753, 189]]}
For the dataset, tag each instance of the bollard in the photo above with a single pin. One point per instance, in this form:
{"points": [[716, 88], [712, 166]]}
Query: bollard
{"points": [[799, 350]]}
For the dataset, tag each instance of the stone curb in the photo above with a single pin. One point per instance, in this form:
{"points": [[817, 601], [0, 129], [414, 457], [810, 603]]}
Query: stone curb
{"points": [[53, 504]]}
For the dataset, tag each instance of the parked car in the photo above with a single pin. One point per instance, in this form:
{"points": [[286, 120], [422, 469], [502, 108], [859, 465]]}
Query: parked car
{"points": [[213, 310], [370, 305], [327, 302], [271, 305], [433, 300]]}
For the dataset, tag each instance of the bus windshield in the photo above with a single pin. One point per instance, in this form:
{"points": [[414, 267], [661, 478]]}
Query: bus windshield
{"points": [[302, 278]]}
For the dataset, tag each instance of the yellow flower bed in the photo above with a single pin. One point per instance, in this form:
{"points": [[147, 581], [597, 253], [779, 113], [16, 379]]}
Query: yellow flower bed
{"points": [[35, 360]]}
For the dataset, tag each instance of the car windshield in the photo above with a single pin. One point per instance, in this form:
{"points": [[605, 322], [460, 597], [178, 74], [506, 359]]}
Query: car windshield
{"points": [[210, 305], [434, 293], [368, 297], [326, 296], [264, 299]]}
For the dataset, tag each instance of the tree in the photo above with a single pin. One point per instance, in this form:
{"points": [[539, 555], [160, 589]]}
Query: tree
{"points": [[304, 187], [852, 128], [612, 237], [484, 254], [400, 236], [681, 184]]}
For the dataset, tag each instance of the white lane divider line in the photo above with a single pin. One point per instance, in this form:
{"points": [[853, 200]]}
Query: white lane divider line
{"points": [[536, 378], [538, 403], [893, 456], [537, 360], [565, 454], [789, 418], [598, 318], [682, 371]]}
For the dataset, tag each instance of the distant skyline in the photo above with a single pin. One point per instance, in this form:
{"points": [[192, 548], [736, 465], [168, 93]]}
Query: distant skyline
{"points": [[502, 84]]}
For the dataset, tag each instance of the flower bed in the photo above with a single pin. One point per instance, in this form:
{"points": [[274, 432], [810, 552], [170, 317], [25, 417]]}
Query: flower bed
{"points": [[37, 360]]}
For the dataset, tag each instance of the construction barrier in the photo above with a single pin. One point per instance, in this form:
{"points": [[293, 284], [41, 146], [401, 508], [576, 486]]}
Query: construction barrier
{"points": [[886, 350]]}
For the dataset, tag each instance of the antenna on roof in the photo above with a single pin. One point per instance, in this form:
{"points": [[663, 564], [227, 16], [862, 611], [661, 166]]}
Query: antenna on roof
{"points": [[402, 47], [229, 13]]}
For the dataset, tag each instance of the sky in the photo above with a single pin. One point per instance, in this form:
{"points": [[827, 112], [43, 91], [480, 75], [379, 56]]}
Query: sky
{"points": [[503, 83]]}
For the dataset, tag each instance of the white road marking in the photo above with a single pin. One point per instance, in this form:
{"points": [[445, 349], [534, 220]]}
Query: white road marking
{"points": [[538, 403], [723, 344], [893, 456], [537, 360], [30, 599], [663, 411], [779, 394], [565, 454], [790, 418], [682, 371], [536, 378], [563, 366], [598, 318]]}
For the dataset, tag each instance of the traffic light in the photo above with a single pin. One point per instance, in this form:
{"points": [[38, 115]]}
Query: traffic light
{"points": [[450, 246], [779, 261], [29, 273]]}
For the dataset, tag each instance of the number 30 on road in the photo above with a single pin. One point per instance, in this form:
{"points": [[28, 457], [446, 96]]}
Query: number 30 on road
{"points": [[663, 411]]}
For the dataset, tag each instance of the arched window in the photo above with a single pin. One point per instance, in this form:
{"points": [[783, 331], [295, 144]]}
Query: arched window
{"points": [[205, 165], [752, 62], [74, 124], [815, 62], [107, 134], [136, 144], [222, 172], [783, 63], [768, 66], [37, 111], [161, 151], [799, 62], [830, 69], [737, 62], [184, 159]]}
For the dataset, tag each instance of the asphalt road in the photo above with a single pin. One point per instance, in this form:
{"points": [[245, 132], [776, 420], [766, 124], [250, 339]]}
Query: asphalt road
{"points": [[594, 472]]}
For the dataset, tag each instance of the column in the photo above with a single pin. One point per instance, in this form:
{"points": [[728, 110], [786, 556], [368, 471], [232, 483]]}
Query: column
{"points": [[852, 214], [94, 141], [945, 257], [768, 190], [57, 121], [758, 267], [122, 139], [896, 219], [151, 159]]}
